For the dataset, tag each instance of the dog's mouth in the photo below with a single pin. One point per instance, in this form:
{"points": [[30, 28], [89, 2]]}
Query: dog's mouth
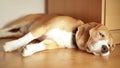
{"points": [[100, 52]]}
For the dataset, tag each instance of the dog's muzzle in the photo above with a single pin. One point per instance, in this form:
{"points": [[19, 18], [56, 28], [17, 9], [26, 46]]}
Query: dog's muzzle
{"points": [[100, 48]]}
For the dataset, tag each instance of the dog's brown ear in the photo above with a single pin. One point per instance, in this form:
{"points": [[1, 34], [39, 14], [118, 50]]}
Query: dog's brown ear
{"points": [[82, 35], [92, 34]]}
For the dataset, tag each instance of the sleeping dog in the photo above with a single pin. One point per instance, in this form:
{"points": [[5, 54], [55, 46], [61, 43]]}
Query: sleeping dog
{"points": [[56, 31]]}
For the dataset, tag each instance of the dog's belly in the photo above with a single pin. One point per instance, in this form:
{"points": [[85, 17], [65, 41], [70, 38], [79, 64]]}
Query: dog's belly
{"points": [[62, 37]]}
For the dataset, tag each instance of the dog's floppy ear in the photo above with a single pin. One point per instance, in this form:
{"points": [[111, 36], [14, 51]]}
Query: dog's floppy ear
{"points": [[94, 34], [82, 35]]}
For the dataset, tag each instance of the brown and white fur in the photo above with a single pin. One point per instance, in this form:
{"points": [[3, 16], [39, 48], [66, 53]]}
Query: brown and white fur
{"points": [[56, 32]]}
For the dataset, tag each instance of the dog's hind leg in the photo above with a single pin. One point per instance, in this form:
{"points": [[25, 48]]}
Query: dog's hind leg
{"points": [[15, 32], [15, 44], [19, 27]]}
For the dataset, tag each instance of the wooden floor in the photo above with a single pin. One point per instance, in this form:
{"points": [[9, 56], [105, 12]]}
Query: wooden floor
{"points": [[58, 58]]}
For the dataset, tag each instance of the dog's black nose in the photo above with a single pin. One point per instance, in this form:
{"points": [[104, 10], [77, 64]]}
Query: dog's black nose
{"points": [[104, 49]]}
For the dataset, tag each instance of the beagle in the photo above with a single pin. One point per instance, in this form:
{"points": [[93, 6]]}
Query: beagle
{"points": [[56, 31]]}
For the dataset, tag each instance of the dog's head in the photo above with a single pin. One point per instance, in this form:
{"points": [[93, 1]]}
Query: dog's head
{"points": [[94, 38]]}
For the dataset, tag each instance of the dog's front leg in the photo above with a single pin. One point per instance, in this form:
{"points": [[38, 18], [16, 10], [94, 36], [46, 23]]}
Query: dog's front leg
{"points": [[44, 45], [15, 44]]}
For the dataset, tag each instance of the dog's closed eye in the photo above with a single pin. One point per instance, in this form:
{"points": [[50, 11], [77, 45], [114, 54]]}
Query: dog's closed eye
{"points": [[101, 34]]}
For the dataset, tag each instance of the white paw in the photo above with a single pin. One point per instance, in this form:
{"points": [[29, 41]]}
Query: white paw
{"points": [[11, 46], [27, 51]]}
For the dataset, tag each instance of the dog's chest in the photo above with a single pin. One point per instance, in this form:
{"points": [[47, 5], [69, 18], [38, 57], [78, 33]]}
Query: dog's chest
{"points": [[62, 37]]}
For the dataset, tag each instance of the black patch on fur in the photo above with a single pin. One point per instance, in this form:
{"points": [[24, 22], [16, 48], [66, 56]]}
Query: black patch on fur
{"points": [[74, 38], [14, 30], [35, 41]]}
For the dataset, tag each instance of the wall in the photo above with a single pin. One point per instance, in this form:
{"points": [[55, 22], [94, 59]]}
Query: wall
{"points": [[86, 10], [113, 14], [12, 9]]}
